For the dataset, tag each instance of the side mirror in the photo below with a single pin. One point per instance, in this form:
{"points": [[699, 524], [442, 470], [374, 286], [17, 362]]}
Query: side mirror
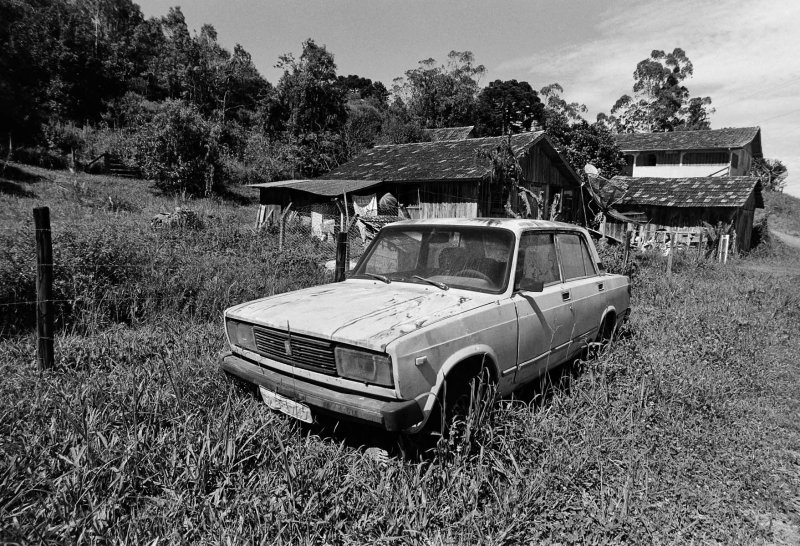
{"points": [[528, 285]]}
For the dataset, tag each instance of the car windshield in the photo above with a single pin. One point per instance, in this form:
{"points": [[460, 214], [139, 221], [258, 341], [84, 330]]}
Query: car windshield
{"points": [[472, 258]]}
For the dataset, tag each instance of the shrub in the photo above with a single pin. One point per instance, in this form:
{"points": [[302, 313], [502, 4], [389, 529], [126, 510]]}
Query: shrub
{"points": [[613, 258], [40, 157], [180, 150], [761, 235], [64, 138]]}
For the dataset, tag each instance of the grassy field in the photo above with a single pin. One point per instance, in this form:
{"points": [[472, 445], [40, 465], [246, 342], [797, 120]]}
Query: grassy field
{"points": [[687, 430]]}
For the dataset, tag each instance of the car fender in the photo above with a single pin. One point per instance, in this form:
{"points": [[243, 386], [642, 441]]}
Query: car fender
{"points": [[451, 362]]}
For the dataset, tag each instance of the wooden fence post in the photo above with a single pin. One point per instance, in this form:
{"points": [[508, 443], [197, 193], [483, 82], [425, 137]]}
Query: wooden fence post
{"points": [[341, 256], [45, 352], [724, 241], [627, 248], [670, 252], [700, 246]]}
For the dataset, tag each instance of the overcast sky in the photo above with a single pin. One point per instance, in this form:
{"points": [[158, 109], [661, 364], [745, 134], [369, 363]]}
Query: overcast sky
{"points": [[746, 54]]}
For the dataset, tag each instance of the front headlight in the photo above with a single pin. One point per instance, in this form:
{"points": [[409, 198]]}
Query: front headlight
{"points": [[372, 368], [241, 334]]}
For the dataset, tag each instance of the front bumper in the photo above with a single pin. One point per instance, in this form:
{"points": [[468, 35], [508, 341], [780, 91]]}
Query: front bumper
{"points": [[392, 416]]}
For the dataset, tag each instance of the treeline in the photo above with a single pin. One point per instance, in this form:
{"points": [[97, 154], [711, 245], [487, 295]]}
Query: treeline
{"points": [[79, 78]]}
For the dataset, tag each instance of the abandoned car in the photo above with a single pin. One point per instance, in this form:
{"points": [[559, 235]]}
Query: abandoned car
{"points": [[429, 305]]}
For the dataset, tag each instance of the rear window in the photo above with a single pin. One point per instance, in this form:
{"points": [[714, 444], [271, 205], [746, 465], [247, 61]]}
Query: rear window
{"points": [[576, 260], [537, 258]]}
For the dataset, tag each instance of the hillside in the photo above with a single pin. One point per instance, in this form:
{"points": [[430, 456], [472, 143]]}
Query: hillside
{"points": [[783, 211], [684, 431]]}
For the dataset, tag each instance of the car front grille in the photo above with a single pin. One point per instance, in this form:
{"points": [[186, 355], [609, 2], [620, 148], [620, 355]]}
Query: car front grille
{"points": [[307, 352]]}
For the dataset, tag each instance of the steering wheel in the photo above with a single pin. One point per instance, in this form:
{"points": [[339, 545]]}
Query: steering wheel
{"points": [[474, 273]]}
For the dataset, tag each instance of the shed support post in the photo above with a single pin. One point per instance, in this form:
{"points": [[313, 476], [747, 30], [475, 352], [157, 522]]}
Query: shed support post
{"points": [[341, 256], [627, 248]]}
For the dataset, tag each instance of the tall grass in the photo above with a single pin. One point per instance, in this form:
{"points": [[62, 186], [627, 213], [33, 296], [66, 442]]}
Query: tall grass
{"points": [[683, 431], [111, 266]]}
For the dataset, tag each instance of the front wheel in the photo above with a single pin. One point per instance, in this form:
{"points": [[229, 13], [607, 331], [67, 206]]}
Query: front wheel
{"points": [[467, 404]]}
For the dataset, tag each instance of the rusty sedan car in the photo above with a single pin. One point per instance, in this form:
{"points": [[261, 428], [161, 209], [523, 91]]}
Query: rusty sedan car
{"points": [[429, 305]]}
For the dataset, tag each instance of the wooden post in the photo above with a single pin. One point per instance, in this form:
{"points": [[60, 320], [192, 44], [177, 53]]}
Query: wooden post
{"points": [[724, 241], [45, 353], [627, 248], [341, 256], [700, 245], [671, 251], [281, 227]]}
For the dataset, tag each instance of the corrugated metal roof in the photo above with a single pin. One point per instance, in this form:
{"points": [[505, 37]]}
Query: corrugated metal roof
{"points": [[324, 187], [450, 133], [732, 137], [427, 161], [711, 191]]}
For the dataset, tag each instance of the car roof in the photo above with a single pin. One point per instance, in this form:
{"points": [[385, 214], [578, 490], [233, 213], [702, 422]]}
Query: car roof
{"points": [[514, 224]]}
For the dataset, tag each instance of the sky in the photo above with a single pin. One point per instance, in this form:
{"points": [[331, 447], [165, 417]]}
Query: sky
{"points": [[746, 54]]}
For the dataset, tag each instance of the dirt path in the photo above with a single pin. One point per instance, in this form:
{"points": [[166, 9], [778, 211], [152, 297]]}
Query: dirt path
{"points": [[787, 239], [787, 268]]}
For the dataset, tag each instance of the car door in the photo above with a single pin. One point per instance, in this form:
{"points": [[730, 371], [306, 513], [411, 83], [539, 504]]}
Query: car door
{"points": [[584, 286], [544, 318]]}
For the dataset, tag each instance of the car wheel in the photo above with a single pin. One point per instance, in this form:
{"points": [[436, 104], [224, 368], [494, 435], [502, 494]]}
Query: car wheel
{"points": [[607, 330], [467, 403]]}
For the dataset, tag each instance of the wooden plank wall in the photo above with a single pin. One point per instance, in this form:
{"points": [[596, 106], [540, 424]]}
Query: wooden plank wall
{"points": [[448, 200]]}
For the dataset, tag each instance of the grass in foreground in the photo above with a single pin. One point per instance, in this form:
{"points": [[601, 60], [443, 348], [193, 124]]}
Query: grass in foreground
{"points": [[685, 431]]}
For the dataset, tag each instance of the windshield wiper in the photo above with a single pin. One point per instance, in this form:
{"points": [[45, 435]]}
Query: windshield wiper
{"points": [[383, 278], [437, 284]]}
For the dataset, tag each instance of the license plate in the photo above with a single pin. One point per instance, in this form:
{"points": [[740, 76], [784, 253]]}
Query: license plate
{"points": [[284, 405]]}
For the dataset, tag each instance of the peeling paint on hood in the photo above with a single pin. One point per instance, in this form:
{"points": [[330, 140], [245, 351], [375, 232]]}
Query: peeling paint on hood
{"points": [[369, 314]]}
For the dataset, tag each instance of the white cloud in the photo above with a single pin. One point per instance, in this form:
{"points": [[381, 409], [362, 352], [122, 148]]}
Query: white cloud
{"points": [[746, 56]]}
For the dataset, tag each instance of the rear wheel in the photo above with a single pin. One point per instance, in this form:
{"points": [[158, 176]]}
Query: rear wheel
{"points": [[605, 334]]}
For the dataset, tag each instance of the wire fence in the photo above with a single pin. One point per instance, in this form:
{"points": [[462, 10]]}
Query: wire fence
{"points": [[122, 273], [321, 225]]}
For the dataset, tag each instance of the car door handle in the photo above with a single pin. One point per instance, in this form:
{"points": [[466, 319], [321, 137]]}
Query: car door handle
{"points": [[565, 296], [600, 286]]}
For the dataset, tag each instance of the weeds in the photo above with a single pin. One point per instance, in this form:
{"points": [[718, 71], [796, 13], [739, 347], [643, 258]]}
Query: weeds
{"points": [[681, 431]]}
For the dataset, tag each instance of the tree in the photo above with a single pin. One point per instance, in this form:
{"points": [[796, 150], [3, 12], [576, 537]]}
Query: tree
{"points": [[362, 128], [581, 142], [556, 105], [398, 127], [441, 96], [507, 107], [660, 101], [309, 96], [179, 150], [364, 89], [772, 173]]}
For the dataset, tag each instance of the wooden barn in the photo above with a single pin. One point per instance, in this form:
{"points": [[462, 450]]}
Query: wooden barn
{"points": [[681, 205], [437, 179]]}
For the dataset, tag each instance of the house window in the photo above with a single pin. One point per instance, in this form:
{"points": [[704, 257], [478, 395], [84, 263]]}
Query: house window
{"points": [[734, 160], [646, 160], [705, 158], [669, 158]]}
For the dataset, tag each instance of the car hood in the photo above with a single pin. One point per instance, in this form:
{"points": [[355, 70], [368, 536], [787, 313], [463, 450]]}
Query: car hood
{"points": [[369, 314]]}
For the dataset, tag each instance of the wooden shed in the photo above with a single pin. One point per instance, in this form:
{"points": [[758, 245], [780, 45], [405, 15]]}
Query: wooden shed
{"points": [[436, 179], [683, 204]]}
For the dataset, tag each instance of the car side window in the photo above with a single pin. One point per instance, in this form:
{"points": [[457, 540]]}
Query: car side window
{"points": [[537, 259], [588, 262], [576, 261]]}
